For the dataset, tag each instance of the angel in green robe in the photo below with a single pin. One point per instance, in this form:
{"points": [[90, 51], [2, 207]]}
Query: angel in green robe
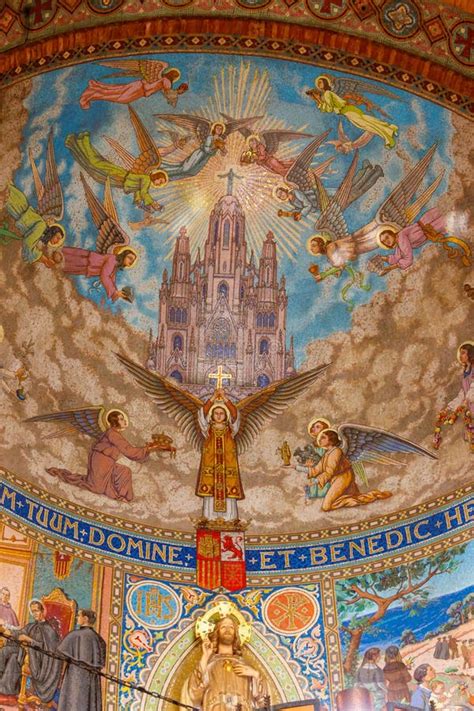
{"points": [[328, 99], [42, 235], [137, 176]]}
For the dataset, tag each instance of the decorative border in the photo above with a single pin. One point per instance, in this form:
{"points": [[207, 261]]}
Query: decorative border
{"points": [[309, 45], [292, 563], [174, 536]]}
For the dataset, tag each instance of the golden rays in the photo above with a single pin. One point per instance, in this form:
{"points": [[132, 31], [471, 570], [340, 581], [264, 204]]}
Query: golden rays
{"points": [[241, 92]]}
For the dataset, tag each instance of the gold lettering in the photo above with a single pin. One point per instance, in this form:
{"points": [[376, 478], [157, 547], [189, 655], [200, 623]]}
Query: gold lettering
{"points": [[318, 555], [416, 530], [286, 557], [93, 539], [173, 554], [336, 551], [70, 525], [388, 539], [374, 541], [152, 603], [56, 522], [358, 546], [42, 516], [160, 551], [468, 511], [451, 516], [111, 542], [31, 509], [10, 496], [135, 546], [265, 557]]}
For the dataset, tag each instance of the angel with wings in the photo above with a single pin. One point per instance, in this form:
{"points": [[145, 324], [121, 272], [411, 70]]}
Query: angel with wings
{"points": [[334, 95], [43, 236], [138, 175], [343, 144], [104, 474], [262, 147], [306, 197], [220, 429], [211, 137], [112, 253], [347, 448], [340, 246], [300, 188], [151, 76]]}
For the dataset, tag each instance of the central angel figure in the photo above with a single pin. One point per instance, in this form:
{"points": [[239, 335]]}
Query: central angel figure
{"points": [[220, 429], [219, 478]]}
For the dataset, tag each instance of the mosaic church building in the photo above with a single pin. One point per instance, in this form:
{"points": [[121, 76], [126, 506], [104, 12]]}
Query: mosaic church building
{"points": [[223, 308]]}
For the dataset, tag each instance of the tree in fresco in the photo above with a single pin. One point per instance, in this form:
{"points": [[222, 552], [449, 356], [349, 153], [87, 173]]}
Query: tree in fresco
{"points": [[364, 601]]}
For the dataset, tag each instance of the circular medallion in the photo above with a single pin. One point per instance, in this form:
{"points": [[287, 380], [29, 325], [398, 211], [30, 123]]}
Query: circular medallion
{"points": [[290, 611], [327, 9], [462, 42], [104, 6], [400, 18], [153, 605], [35, 14]]}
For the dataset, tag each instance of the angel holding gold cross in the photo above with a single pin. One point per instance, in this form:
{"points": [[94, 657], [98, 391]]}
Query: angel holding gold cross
{"points": [[220, 429]]}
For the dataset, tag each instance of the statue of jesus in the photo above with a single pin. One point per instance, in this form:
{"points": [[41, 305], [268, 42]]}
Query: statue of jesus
{"points": [[222, 680]]}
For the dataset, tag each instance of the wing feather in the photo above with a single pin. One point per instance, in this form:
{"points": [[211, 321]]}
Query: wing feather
{"points": [[109, 233], [149, 153], [177, 403], [199, 126], [125, 156], [301, 165], [272, 139], [266, 404], [395, 206], [362, 443], [86, 420], [49, 193], [351, 86]]}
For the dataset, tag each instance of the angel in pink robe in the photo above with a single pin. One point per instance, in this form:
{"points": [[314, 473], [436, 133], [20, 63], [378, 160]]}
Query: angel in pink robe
{"points": [[153, 76], [259, 154], [104, 475], [408, 239], [88, 263]]}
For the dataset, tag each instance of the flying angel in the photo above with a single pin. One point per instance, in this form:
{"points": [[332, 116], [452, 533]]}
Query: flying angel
{"points": [[347, 448], [334, 95], [138, 174], [340, 246], [262, 147], [112, 250], [104, 475], [211, 137], [309, 196], [42, 234], [343, 144], [220, 429], [151, 76]]}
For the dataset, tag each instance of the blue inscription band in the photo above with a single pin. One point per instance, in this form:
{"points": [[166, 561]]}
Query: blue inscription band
{"points": [[276, 558]]}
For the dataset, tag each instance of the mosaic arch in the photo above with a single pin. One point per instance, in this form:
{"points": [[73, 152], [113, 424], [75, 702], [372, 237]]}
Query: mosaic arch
{"points": [[236, 342]]}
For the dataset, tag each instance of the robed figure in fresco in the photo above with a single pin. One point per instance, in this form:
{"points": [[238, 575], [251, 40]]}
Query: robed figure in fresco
{"points": [[219, 479], [105, 475], [220, 430], [222, 680], [45, 672], [80, 688]]}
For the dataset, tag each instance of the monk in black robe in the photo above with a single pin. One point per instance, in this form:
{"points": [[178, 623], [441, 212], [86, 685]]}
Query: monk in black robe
{"points": [[80, 690], [45, 671]]}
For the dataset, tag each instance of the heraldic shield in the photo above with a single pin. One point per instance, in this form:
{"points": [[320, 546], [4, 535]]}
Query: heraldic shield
{"points": [[220, 559]]}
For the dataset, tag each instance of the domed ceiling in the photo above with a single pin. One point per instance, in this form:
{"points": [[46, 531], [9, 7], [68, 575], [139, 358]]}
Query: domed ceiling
{"points": [[236, 336]]}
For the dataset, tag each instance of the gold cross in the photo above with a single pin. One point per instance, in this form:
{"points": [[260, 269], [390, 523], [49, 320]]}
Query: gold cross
{"points": [[220, 376]]}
